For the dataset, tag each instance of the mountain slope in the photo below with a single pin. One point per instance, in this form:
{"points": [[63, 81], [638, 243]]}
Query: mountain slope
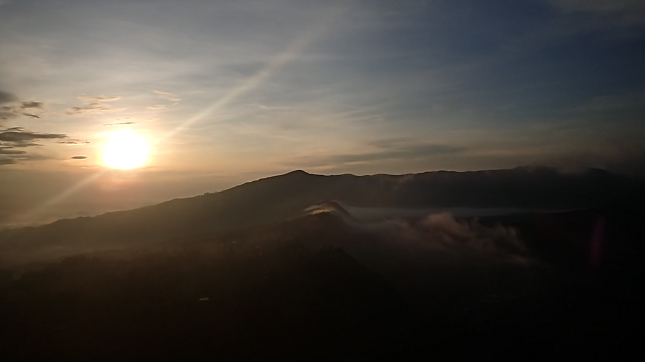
{"points": [[285, 196]]}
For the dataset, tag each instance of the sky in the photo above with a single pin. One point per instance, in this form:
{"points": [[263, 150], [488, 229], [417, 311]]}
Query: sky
{"points": [[225, 92]]}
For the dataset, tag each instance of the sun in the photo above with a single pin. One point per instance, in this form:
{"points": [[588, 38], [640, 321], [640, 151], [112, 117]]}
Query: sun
{"points": [[125, 150]]}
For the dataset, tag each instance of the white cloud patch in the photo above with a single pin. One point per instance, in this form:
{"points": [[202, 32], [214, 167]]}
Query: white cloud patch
{"points": [[443, 232], [417, 254]]}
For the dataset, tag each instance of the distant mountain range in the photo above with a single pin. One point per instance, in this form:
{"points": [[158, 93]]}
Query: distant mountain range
{"points": [[282, 197]]}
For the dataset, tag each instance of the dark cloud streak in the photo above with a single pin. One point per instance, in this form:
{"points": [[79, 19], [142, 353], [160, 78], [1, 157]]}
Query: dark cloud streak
{"points": [[93, 104], [9, 108], [7, 113], [7, 161], [89, 107], [393, 151], [10, 151], [22, 136], [17, 137], [6, 97], [32, 104]]}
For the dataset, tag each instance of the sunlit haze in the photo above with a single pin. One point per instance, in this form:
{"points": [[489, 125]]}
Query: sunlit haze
{"points": [[125, 150], [210, 94], [321, 180]]}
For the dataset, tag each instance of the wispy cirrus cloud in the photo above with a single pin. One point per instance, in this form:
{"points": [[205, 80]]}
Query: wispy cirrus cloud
{"points": [[164, 95], [119, 123], [94, 104], [73, 141], [168, 96], [87, 98]]}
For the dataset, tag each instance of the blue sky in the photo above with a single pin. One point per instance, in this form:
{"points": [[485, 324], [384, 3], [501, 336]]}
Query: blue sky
{"points": [[228, 91]]}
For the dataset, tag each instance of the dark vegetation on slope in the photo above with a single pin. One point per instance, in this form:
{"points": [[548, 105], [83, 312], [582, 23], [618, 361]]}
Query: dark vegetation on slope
{"points": [[270, 307], [318, 287], [287, 292]]}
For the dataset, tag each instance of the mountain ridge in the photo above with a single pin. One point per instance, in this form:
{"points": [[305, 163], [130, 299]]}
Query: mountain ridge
{"points": [[280, 197]]}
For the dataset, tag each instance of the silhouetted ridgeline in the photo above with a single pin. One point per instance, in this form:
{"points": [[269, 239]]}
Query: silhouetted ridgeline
{"points": [[281, 197], [273, 270]]}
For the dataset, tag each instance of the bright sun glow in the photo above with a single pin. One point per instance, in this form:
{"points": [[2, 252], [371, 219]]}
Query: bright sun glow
{"points": [[125, 150]]}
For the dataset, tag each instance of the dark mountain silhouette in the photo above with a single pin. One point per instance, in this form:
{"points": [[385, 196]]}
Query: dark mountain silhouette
{"points": [[286, 196], [201, 303], [287, 291], [268, 271]]}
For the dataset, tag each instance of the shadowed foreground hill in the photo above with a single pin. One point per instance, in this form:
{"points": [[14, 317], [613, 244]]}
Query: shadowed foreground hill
{"points": [[265, 271], [281, 197], [287, 292], [200, 305]]}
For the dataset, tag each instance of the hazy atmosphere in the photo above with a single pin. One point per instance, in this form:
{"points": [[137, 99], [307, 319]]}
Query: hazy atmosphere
{"points": [[222, 92], [277, 180]]}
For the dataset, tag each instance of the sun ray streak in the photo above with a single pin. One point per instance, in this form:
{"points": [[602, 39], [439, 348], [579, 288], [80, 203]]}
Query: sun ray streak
{"points": [[63, 195], [291, 52]]}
